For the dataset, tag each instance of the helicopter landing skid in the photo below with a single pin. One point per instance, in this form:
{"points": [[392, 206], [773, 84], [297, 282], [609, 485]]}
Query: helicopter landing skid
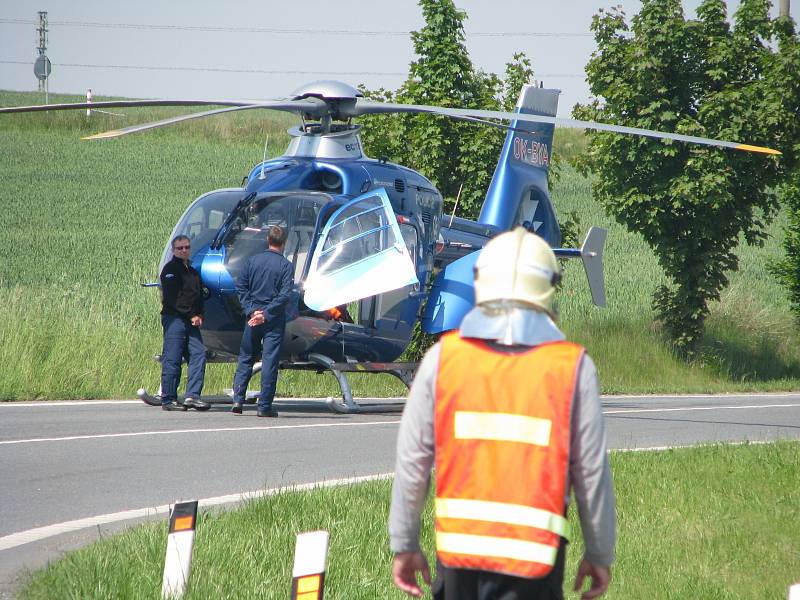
{"points": [[403, 371], [155, 399], [226, 398]]}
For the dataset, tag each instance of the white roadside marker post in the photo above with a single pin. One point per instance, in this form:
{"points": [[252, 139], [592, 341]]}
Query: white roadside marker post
{"points": [[89, 101], [180, 541], [310, 559], [794, 592]]}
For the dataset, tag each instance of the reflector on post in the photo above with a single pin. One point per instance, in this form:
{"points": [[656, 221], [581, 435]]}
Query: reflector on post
{"points": [[180, 541], [310, 558]]}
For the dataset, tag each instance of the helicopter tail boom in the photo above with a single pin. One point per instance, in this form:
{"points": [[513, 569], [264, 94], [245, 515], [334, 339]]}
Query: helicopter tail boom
{"points": [[452, 295], [518, 193]]}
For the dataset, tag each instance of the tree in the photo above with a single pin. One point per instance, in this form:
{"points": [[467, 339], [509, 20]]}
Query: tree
{"points": [[451, 154], [690, 203], [785, 107]]}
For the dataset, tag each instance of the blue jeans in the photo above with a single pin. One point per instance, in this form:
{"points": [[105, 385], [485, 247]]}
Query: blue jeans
{"points": [[181, 338], [264, 340]]}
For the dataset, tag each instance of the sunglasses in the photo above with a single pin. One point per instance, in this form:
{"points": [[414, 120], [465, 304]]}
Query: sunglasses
{"points": [[181, 247]]}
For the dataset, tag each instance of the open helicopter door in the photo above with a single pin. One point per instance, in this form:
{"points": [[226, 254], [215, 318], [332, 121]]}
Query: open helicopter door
{"points": [[360, 253]]}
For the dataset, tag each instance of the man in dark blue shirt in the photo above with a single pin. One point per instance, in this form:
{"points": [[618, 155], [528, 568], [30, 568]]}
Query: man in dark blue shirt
{"points": [[264, 287]]}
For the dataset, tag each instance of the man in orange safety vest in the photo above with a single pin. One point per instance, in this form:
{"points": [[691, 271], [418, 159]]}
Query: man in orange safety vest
{"points": [[509, 412]]}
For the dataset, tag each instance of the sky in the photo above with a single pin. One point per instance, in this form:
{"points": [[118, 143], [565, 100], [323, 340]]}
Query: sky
{"points": [[249, 49]]}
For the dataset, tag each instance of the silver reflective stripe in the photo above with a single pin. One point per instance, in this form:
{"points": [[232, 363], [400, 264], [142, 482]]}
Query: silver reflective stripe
{"points": [[500, 512], [494, 547], [502, 427]]}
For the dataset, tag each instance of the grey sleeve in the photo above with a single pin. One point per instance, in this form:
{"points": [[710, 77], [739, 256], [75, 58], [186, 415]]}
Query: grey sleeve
{"points": [[589, 471], [415, 455]]}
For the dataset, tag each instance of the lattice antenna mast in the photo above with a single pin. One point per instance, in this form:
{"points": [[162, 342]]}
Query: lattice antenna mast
{"points": [[42, 61]]}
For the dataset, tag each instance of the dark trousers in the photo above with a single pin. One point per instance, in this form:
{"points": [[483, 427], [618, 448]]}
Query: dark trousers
{"points": [[265, 341], [467, 584], [181, 338]]}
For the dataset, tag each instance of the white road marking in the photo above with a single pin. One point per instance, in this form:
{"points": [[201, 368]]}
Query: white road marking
{"points": [[51, 403], [56, 403], [361, 424], [695, 408], [722, 396], [40, 533], [205, 430]]}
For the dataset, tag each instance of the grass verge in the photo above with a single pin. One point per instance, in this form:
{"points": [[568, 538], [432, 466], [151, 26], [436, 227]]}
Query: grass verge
{"points": [[711, 522]]}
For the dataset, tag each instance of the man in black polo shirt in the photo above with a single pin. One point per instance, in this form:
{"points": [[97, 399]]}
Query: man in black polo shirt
{"points": [[181, 318], [264, 287]]}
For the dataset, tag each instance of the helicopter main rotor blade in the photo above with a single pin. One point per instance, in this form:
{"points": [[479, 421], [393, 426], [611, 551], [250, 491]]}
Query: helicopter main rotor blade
{"points": [[309, 106], [364, 107], [170, 121], [345, 107], [494, 124], [119, 104], [306, 106]]}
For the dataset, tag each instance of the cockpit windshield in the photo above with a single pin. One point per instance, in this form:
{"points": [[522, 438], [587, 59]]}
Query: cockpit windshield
{"points": [[247, 235]]}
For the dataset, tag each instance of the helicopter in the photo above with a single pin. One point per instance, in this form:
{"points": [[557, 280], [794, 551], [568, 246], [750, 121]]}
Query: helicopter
{"points": [[371, 249]]}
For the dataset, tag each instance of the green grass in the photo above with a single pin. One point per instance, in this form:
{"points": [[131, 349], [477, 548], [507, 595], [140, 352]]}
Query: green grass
{"points": [[84, 223], [716, 522]]}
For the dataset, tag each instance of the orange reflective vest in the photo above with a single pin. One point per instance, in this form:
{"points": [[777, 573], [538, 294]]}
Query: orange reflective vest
{"points": [[502, 453]]}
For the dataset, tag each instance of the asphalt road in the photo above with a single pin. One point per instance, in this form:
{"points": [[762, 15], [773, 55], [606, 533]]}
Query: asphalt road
{"points": [[73, 471]]}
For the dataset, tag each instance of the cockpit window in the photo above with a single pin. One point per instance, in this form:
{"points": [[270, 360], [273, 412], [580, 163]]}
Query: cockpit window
{"points": [[247, 235], [202, 220], [359, 230]]}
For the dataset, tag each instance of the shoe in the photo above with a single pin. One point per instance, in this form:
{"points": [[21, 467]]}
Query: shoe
{"points": [[271, 412], [236, 408], [196, 403], [172, 406]]}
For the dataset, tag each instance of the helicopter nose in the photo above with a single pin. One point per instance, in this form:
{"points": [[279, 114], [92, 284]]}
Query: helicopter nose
{"points": [[214, 274]]}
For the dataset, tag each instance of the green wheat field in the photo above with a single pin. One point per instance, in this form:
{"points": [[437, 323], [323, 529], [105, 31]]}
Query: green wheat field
{"points": [[84, 223]]}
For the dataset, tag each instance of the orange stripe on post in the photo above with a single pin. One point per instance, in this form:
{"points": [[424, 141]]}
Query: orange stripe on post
{"points": [[184, 523], [309, 583]]}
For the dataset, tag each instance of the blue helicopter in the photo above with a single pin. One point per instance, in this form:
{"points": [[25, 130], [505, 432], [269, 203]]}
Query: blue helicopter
{"points": [[371, 249]]}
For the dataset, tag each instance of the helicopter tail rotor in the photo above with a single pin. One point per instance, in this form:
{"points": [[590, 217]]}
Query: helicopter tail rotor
{"points": [[591, 254], [592, 258]]}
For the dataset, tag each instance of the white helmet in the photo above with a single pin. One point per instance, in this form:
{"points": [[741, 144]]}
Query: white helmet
{"points": [[517, 266]]}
